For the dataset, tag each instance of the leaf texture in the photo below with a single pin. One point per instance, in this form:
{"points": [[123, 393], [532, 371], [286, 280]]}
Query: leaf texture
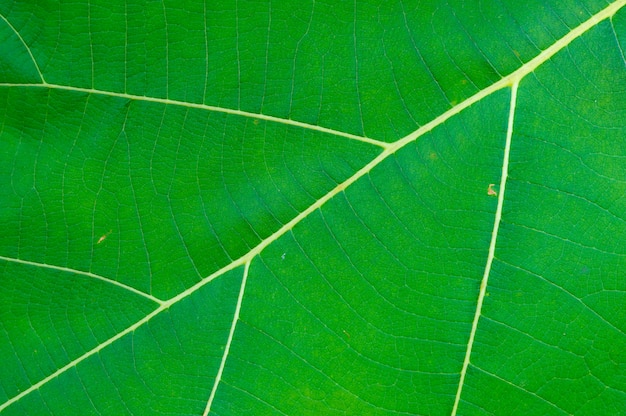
{"points": [[374, 208]]}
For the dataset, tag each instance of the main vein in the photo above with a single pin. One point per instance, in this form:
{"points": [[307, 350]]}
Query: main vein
{"points": [[492, 247]]}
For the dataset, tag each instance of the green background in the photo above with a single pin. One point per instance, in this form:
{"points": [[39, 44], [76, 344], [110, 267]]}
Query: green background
{"points": [[117, 121]]}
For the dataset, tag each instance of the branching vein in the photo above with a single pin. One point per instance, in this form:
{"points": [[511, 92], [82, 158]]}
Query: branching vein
{"points": [[26, 46], [233, 325], [492, 247], [87, 274], [167, 101]]}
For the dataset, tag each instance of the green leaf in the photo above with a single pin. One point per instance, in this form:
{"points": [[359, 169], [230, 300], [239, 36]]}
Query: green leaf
{"points": [[372, 208]]}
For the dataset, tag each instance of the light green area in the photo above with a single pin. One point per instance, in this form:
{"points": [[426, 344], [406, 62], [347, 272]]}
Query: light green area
{"points": [[113, 202]]}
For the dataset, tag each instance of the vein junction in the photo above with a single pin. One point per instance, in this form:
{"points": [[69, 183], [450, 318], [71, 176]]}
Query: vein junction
{"points": [[511, 81]]}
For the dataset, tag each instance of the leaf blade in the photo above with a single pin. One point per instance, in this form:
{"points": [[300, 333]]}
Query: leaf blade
{"points": [[329, 201]]}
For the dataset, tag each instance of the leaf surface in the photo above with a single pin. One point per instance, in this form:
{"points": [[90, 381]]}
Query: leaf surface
{"points": [[373, 208]]}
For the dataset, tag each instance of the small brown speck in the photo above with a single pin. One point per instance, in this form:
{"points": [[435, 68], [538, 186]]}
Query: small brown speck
{"points": [[101, 239]]}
